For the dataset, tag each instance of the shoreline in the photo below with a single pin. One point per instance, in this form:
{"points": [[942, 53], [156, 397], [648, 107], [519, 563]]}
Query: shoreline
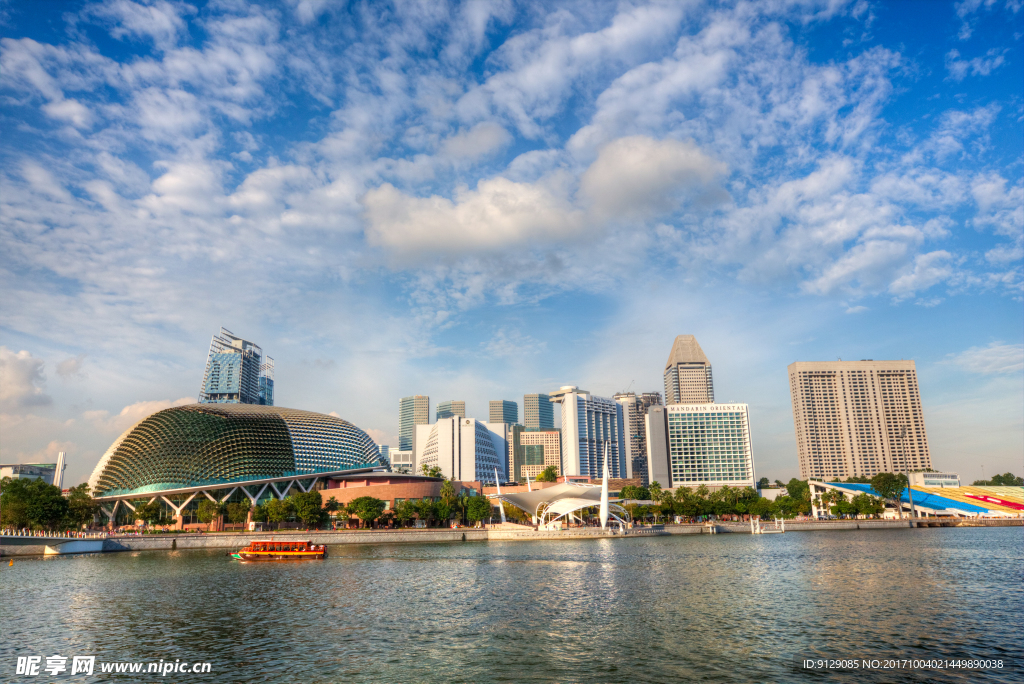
{"points": [[233, 540]]}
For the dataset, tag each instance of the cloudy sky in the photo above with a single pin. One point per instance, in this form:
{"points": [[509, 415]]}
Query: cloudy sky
{"points": [[480, 200]]}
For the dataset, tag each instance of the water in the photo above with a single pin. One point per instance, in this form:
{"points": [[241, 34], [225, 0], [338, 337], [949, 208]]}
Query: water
{"points": [[723, 608]]}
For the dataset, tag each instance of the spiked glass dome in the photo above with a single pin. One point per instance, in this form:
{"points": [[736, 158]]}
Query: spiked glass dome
{"points": [[206, 444]]}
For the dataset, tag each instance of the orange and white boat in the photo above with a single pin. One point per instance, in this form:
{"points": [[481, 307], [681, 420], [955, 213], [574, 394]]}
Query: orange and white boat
{"points": [[274, 549]]}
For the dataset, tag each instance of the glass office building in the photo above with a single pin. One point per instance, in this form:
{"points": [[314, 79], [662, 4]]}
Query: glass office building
{"points": [[237, 372], [412, 411], [451, 409], [538, 411], [503, 411]]}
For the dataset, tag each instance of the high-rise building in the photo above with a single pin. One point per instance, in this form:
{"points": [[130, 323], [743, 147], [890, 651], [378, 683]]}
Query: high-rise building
{"points": [[412, 411], [504, 411], [532, 450], [237, 372], [857, 418], [589, 425], [688, 374], [463, 448], [538, 411], [450, 409], [700, 444]]}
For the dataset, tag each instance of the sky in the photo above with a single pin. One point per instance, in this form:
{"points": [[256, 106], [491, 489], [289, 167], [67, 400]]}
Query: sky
{"points": [[485, 199]]}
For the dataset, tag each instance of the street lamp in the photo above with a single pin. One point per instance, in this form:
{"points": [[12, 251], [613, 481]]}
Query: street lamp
{"points": [[906, 468]]}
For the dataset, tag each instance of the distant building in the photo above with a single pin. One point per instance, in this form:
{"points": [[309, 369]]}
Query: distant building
{"points": [[412, 411], [589, 425], [857, 418], [634, 411], [533, 450], [504, 411], [700, 444], [538, 411], [402, 461], [450, 409], [464, 448], [688, 374], [237, 372], [29, 471], [934, 480]]}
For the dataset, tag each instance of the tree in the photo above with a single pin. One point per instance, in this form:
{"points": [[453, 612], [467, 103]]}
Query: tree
{"points": [[309, 508], [367, 508], [799, 489], [405, 511], [279, 510], [890, 486], [207, 510], [259, 513], [549, 474], [655, 490], [147, 512], [479, 507], [443, 511], [448, 492], [82, 508], [763, 482], [1004, 480], [431, 471], [425, 510], [238, 512], [13, 503], [32, 503]]}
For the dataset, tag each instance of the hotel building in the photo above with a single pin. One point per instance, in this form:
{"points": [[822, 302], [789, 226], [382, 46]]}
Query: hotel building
{"points": [[700, 444], [463, 448], [857, 418], [237, 372]]}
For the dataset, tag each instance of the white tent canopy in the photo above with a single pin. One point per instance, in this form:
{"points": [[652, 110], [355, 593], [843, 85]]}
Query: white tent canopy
{"points": [[551, 503]]}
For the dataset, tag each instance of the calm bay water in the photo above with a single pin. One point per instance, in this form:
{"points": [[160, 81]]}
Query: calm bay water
{"points": [[723, 608]]}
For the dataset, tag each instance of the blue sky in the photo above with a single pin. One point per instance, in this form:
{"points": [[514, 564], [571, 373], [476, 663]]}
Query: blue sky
{"points": [[481, 200]]}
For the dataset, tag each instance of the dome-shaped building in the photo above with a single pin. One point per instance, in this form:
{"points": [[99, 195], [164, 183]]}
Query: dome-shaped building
{"points": [[202, 446]]}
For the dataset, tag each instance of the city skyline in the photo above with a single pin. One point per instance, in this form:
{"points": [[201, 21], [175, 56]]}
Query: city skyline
{"points": [[307, 176]]}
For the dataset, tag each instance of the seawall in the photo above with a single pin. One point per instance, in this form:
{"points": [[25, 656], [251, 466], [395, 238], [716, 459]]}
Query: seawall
{"points": [[227, 541]]}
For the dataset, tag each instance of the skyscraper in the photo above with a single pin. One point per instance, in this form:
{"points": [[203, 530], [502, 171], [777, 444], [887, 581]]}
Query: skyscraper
{"points": [[412, 411], [464, 449], [532, 451], [538, 411], [850, 418], [589, 425], [688, 374], [504, 411], [237, 372], [450, 409]]}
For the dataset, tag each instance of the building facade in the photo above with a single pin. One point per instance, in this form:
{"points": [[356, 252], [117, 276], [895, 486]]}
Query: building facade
{"points": [[503, 411], [590, 425], [237, 372], [402, 461], [707, 444], [463, 448], [688, 374], [934, 479], [532, 450], [538, 411], [857, 418], [412, 411], [634, 414], [451, 409]]}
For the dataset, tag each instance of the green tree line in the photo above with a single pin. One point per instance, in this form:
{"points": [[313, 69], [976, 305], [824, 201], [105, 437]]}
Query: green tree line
{"points": [[36, 505]]}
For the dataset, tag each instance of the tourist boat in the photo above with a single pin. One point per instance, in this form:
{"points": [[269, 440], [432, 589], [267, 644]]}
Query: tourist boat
{"points": [[275, 549]]}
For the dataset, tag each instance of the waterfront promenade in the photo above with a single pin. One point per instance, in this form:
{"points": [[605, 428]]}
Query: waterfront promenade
{"points": [[234, 540]]}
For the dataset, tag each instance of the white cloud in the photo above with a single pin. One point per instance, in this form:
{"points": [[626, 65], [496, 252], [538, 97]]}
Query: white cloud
{"points": [[929, 269], [642, 177], [977, 66], [159, 21], [71, 367], [482, 140], [131, 414], [21, 380], [996, 358]]}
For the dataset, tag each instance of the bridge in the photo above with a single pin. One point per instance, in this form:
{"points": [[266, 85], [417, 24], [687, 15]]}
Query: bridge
{"points": [[57, 544]]}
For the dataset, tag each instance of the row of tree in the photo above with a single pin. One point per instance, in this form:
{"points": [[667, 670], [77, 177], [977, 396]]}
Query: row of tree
{"points": [[34, 504], [1004, 480]]}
